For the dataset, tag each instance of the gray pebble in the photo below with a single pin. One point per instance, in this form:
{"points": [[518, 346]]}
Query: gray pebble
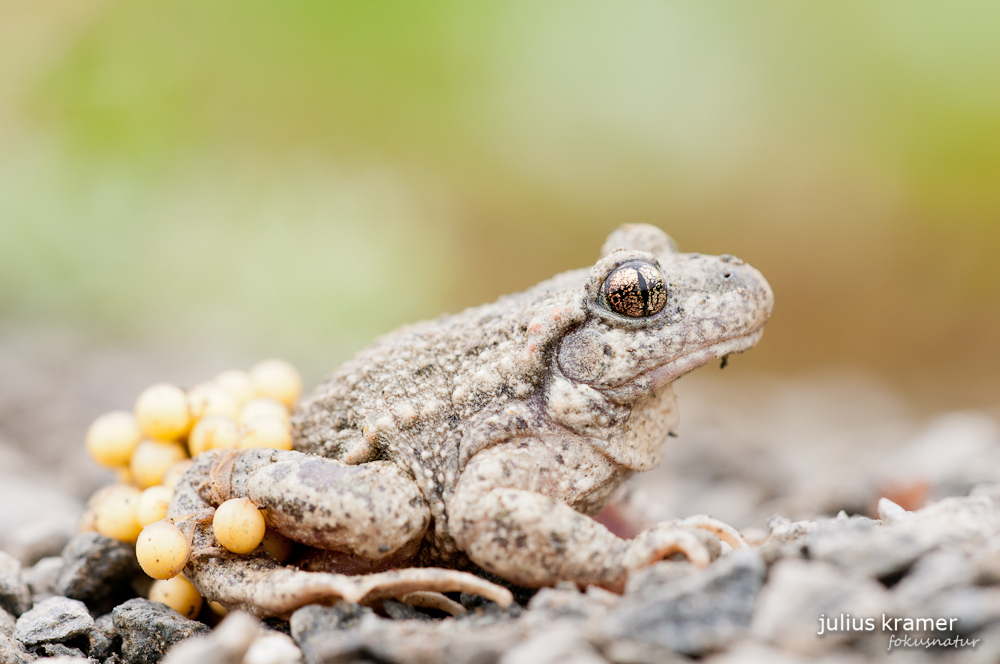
{"points": [[13, 651], [562, 644], [148, 629], [104, 639], [41, 577], [933, 574], [97, 570], [564, 604], [481, 609], [57, 619], [406, 641], [625, 651], [331, 633], [272, 647], [974, 607], [694, 614], [226, 644], [882, 551], [58, 650], [401, 611], [37, 520], [7, 623], [14, 594], [799, 592]]}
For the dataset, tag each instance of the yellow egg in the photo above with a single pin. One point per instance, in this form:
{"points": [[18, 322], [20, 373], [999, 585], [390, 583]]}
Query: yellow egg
{"points": [[124, 475], [116, 513], [153, 503], [162, 550], [88, 521], [277, 545], [277, 379], [162, 411], [112, 438], [207, 399], [263, 407], [238, 525], [267, 432], [152, 459], [178, 594], [215, 432], [238, 383], [175, 472]]}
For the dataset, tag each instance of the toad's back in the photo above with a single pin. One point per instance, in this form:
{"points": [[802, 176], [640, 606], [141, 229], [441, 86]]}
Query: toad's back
{"points": [[416, 393]]}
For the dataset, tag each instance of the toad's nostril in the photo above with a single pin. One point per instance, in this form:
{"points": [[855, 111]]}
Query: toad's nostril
{"points": [[726, 274]]}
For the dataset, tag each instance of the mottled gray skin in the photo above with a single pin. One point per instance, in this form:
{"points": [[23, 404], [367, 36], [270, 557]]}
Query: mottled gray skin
{"points": [[493, 435]]}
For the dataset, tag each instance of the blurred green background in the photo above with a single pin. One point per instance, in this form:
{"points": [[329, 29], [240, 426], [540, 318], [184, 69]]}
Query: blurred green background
{"points": [[292, 178]]}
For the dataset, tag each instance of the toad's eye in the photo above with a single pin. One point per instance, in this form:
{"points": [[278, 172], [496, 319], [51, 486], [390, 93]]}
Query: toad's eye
{"points": [[635, 289]]}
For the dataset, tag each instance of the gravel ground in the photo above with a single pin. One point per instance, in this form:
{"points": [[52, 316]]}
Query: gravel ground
{"points": [[800, 466]]}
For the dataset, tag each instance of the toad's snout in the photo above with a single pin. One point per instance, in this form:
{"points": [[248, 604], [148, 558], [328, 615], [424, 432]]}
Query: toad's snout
{"points": [[746, 288]]}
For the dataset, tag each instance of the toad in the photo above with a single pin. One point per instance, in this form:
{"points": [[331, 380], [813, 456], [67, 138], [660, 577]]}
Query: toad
{"points": [[487, 440]]}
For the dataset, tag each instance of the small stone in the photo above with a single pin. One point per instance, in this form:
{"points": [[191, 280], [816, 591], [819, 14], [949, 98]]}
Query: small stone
{"points": [[558, 645], [55, 620], [104, 639], [41, 577], [657, 575], [273, 648], [627, 651], [37, 520], [278, 625], [694, 614], [7, 623], [148, 629], [936, 572], [890, 512], [561, 603], [97, 570], [974, 607], [882, 551], [448, 640], [326, 633], [226, 644], [750, 652], [58, 650], [14, 594], [480, 608], [13, 651], [401, 611], [799, 593]]}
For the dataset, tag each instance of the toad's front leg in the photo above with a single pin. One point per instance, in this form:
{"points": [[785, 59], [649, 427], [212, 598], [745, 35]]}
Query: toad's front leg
{"points": [[521, 511]]}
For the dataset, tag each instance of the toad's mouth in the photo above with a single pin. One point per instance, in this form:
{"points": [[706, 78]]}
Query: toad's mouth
{"points": [[653, 379], [667, 373]]}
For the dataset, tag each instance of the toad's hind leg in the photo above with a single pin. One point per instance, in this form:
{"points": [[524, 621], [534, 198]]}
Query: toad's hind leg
{"points": [[256, 583], [371, 511]]}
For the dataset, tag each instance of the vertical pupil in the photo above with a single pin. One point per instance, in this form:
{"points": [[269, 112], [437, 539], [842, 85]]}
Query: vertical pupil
{"points": [[635, 290]]}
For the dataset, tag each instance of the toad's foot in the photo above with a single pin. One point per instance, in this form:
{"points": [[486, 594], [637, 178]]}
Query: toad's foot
{"points": [[261, 586], [670, 537]]}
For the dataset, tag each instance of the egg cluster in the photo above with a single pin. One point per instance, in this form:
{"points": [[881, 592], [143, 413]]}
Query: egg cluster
{"points": [[151, 447]]}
